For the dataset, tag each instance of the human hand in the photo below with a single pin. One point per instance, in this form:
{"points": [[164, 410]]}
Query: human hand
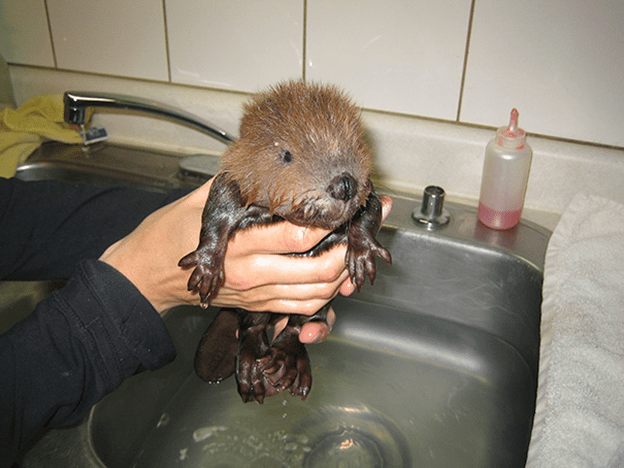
{"points": [[257, 276]]}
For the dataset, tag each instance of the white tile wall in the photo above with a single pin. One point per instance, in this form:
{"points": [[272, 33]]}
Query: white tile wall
{"points": [[24, 33], [410, 153], [560, 62], [395, 55], [235, 45], [113, 37]]}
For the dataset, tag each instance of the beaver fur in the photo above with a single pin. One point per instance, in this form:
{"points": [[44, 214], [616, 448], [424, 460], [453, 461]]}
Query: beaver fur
{"points": [[301, 156]]}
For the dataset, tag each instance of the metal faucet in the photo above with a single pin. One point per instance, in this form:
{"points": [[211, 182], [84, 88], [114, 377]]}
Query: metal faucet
{"points": [[432, 213], [77, 102]]}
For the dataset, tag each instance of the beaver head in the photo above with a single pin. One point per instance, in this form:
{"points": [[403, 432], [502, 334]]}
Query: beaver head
{"points": [[301, 154]]}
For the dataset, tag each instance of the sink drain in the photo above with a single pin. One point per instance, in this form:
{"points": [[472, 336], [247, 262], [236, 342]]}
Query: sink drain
{"points": [[350, 437], [347, 449]]}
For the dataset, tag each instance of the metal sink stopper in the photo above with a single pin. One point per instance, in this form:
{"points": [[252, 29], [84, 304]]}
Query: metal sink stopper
{"points": [[432, 213]]}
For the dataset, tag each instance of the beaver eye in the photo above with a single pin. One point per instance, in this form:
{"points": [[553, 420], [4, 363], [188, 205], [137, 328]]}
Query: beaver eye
{"points": [[287, 156]]}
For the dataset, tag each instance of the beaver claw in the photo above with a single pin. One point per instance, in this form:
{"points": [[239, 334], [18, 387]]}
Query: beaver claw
{"points": [[263, 372], [207, 277], [360, 260], [253, 350], [289, 365]]}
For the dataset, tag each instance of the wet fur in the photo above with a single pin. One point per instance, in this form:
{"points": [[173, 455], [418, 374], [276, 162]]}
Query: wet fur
{"points": [[311, 123], [301, 156]]}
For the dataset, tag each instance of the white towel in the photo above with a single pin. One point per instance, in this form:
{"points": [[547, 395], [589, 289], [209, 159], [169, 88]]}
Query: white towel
{"points": [[579, 417]]}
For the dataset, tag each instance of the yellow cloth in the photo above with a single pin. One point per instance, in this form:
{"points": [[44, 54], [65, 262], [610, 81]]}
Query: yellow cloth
{"points": [[22, 130]]}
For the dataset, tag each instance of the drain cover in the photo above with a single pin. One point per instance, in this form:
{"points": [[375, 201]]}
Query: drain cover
{"points": [[342, 437], [347, 449]]}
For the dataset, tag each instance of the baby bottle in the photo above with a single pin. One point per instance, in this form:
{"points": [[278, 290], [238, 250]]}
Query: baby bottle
{"points": [[505, 175]]}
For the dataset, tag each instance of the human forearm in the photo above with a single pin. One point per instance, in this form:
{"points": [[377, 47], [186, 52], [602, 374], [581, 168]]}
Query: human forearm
{"points": [[77, 346]]}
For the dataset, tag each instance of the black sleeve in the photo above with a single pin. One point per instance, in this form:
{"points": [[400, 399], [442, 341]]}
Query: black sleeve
{"points": [[47, 227], [83, 341], [78, 346]]}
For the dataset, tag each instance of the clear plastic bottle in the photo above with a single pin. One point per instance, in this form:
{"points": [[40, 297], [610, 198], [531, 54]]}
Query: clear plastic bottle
{"points": [[505, 176]]}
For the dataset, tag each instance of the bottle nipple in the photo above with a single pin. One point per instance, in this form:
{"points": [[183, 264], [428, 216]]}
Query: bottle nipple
{"points": [[513, 121], [512, 136]]}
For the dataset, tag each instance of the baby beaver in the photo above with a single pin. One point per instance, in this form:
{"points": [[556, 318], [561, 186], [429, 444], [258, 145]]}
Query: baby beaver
{"points": [[301, 156]]}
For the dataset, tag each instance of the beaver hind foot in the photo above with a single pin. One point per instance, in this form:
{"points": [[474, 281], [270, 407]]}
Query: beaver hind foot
{"points": [[262, 369]]}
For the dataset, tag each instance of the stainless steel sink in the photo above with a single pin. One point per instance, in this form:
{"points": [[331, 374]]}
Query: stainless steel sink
{"points": [[435, 365]]}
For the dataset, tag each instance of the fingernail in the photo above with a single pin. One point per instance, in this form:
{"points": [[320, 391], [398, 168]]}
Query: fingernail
{"points": [[318, 337]]}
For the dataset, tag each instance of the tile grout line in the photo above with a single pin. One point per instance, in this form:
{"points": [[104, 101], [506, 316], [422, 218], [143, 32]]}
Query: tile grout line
{"points": [[47, 10], [465, 66], [305, 35], [167, 53]]}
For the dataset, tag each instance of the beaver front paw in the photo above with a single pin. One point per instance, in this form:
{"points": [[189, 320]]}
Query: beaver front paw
{"points": [[208, 276], [360, 259]]}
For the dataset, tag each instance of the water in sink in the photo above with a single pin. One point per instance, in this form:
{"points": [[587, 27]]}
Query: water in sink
{"points": [[410, 391]]}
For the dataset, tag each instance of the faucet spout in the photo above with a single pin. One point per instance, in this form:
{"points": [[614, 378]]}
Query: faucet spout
{"points": [[77, 102]]}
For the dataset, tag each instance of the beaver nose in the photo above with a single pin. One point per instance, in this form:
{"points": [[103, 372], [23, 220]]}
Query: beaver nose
{"points": [[343, 187]]}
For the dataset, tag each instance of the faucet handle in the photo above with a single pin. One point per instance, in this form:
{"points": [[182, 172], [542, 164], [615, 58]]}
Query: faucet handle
{"points": [[432, 213]]}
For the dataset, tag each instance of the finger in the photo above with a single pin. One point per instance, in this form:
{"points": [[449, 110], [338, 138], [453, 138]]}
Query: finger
{"points": [[279, 326], [300, 292], [280, 306], [347, 287], [311, 332], [386, 206], [269, 295], [261, 270], [292, 269], [282, 237], [315, 332], [286, 237]]}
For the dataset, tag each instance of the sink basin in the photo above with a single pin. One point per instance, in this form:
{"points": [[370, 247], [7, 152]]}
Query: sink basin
{"points": [[435, 365], [105, 164]]}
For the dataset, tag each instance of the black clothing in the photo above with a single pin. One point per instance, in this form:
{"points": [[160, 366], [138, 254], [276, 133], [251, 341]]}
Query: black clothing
{"points": [[89, 336]]}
